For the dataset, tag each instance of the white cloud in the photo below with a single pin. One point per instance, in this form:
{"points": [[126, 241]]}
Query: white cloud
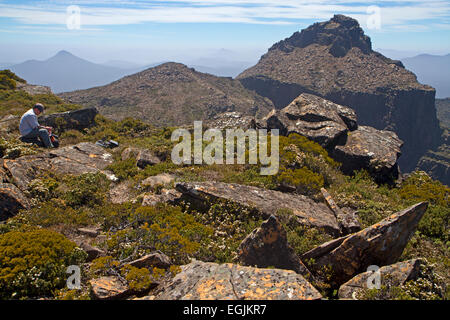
{"points": [[395, 15]]}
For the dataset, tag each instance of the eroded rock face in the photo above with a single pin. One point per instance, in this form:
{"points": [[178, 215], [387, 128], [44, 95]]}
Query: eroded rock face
{"points": [[207, 281], [377, 151], [267, 246], [267, 202], [380, 244], [78, 159], [77, 119], [392, 275], [232, 120], [11, 201]]}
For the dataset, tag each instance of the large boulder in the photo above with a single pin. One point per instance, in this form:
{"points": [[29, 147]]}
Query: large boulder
{"points": [[267, 246], [390, 276], [317, 119], [267, 202], [380, 244], [11, 201], [377, 151], [77, 159], [76, 119], [206, 281], [144, 157]]}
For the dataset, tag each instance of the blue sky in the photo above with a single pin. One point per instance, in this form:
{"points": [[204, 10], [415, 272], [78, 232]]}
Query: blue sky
{"points": [[150, 31]]}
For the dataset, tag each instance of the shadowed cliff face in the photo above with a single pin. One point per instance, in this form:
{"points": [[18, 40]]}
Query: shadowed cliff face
{"points": [[334, 60]]}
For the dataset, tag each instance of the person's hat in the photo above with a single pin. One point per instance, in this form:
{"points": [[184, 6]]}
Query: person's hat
{"points": [[39, 106]]}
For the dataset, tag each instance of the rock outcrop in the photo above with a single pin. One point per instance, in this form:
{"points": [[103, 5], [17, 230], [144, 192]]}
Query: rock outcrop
{"points": [[144, 157], [267, 246], [377, 151], [77, 119], [77, 159], [267, 202], [154, 259], [392, 275], [109, 288], [11, 200], [335, 128], [335, 60], [210, 281], [380, 244]]}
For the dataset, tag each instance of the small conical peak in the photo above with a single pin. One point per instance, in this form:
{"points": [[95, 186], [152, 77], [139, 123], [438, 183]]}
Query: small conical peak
{"points": [[340, 33]]}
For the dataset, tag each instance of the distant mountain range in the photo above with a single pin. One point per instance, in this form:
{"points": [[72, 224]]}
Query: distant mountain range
{"points": [[432, 70]]}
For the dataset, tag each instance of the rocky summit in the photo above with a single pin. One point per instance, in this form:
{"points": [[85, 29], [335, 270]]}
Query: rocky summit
{"points": [[335, 60], [171, 94]]}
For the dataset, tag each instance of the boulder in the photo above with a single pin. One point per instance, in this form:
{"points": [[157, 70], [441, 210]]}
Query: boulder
{"points": [[304, 210], [92, 252], [160, 179], [144, 157], [109, 288], [166, 196], [206, 281], [11, 201], [317, 119], [77, 159], [90, 232], [374, 150], [267, 246], [154, 259], [380, 244], [76, 119], [390, 276]]}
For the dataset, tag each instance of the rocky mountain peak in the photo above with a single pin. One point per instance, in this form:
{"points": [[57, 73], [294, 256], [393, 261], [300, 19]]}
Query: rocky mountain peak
{"points": [[340, 33]]}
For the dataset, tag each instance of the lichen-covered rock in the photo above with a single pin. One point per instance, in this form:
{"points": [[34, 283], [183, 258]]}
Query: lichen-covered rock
{"points": [[154, 259], [143, 157], [267, 202], [380, 244], [77, 159], [210, 281], [392, 275], [76, 119], [267, 246], [11, 200], [109, 288], [377, 151]]}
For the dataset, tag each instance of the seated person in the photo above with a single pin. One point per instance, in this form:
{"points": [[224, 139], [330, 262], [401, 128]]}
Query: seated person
{"points": [[30, 129]]}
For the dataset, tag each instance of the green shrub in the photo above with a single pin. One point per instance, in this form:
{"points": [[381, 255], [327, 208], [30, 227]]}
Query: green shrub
{"points": [[88, 189], [34, 263], [303, 179]]}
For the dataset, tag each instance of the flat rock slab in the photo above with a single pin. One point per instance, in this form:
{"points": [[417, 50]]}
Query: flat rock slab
{"points": [[392, 275], [268, 202], [371, 149], [210, 281], [78, 159], [380, 244], [11, 201], [108, 288], [267, 246]]}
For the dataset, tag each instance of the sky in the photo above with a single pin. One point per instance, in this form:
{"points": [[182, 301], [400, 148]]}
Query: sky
{"points": [[152, 31]]}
